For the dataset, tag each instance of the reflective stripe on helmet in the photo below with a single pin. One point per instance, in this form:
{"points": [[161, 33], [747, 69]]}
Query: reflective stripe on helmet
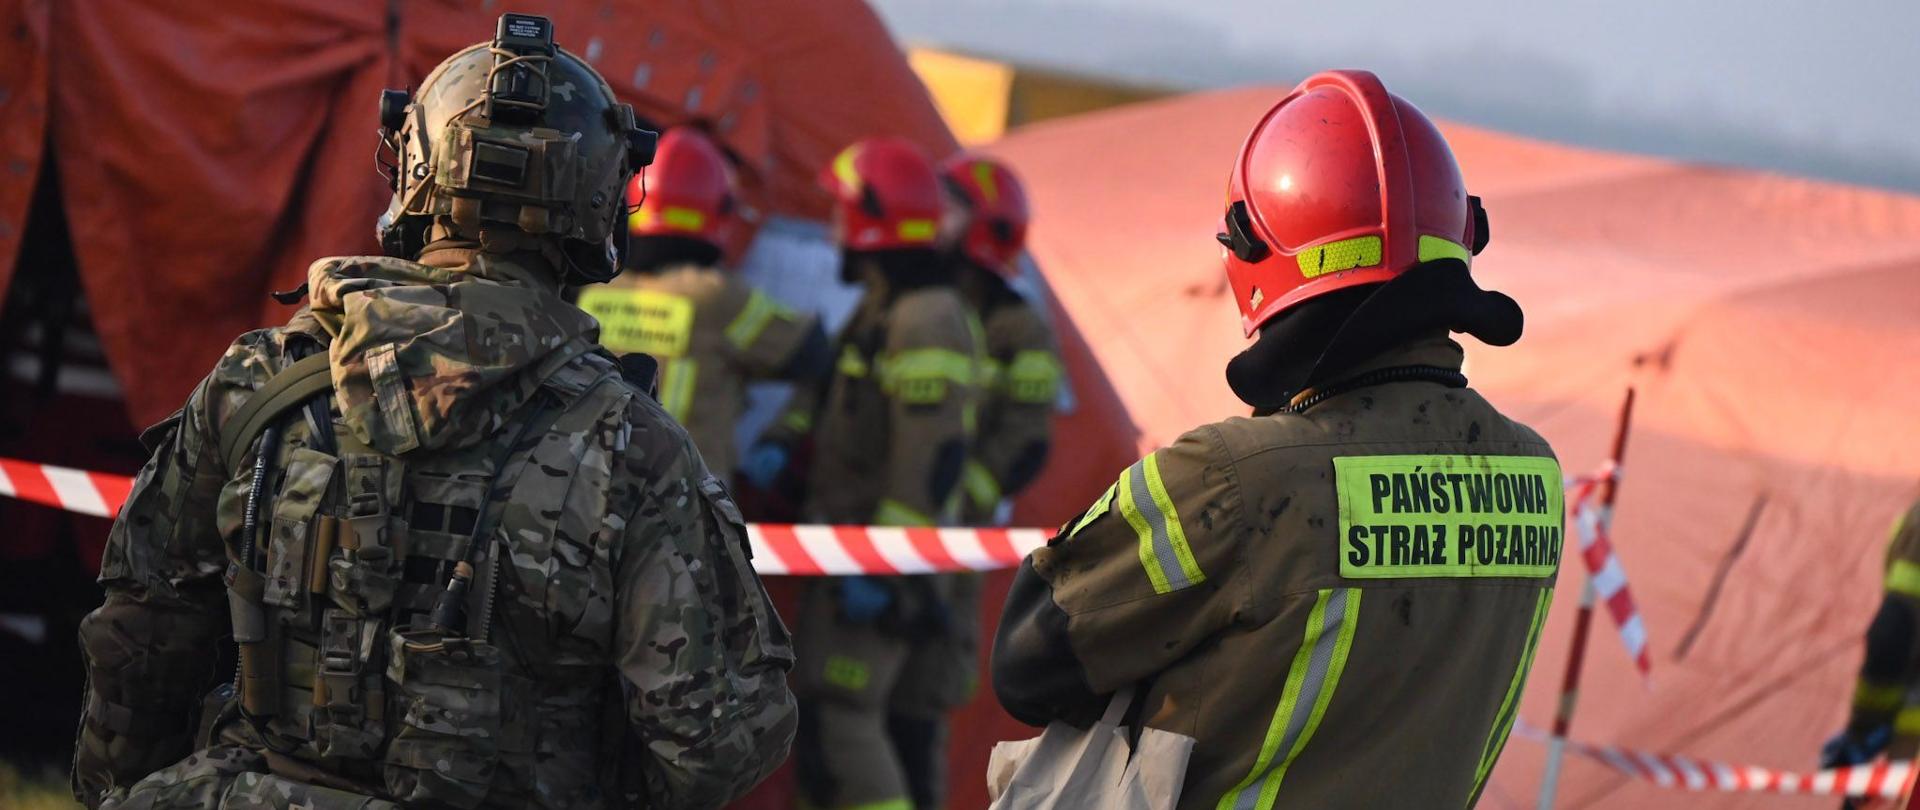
{"points": [[1364, 251], [1315, 673], [917, 230]]}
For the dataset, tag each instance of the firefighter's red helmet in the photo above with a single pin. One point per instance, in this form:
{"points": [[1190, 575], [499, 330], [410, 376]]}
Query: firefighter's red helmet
{"points": [[1340, 184], [688, 191], [886, 196], [994, 224]]}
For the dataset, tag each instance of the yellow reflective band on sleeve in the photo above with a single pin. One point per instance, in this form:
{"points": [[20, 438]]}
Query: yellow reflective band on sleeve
{"points": [[1907, 722], [676, 386], [1164, 552], [752, 320], [981, 486], [1093, 512], [1311, 680], [918, 230], [1510, 705], [644, 321], [851, 364], [1434, 247], [849, 673], [921, 376], [1333, 257], [1878, 697], [797, 420], [1033, 377], [894, 513], [1449, 516], [1903, 577]]}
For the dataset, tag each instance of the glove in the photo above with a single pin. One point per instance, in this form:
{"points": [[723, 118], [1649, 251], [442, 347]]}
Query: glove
{"points": [[864, 600], [763, 464], [1848, 748]]}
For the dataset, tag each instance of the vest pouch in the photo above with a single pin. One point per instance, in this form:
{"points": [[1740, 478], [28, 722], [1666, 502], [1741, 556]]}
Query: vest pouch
{"points": [[363, 576], [446, 711], [292, 530]]}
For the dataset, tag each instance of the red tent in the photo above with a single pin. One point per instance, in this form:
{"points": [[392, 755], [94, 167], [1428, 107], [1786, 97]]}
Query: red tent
{"points": [[1769, 323]]}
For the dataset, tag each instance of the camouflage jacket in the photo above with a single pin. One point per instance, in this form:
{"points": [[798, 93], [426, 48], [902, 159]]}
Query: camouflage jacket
{"points": [[623, 577]]}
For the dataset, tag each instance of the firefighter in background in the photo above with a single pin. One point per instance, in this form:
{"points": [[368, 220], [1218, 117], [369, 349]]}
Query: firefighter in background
{"points": [[1338, 599], [1886, 714], [710, 331], [984, 232], [891, 430]]}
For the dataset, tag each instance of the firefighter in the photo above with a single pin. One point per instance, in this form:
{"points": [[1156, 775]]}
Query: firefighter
{"points": [[711, 332], [1338, 598], [465, 561], [890, 435], [1886, 715]]}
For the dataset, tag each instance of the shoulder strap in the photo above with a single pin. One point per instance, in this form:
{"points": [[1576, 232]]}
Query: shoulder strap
{"points": [[283, 392]]}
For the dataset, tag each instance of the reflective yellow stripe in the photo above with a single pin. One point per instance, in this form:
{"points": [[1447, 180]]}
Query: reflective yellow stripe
{"points": [[752, 320], [1164, 552], [1509, 708], [1878, 697], [983, 177], [1907, 722], [1033, 377], [797, 420], [1903, 577], [918, 230], [981, 485], [894, 513], [1364, 251], [846, 672], [921, 376], [843, 168], [1098, 508], [676, 386], [852, 364], [1311, 680], [1333, 257], [1433, 247], [883, 804]]}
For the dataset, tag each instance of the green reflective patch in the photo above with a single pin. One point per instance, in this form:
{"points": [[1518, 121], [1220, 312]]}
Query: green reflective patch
{"points": [[644, 321], [1903, 577], [851, 674], [1449, 516]]}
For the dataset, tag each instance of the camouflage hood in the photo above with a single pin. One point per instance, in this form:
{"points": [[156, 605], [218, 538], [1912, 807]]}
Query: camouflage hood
{"points": [[433, 357]]}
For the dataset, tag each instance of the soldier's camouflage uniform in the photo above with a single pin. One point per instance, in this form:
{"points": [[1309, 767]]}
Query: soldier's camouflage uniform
{"points": [[632, 656]]}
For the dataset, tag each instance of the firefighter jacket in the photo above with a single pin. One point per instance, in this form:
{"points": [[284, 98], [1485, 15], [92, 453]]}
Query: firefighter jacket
{"points": [[1885, 693], [617, 645], [893, 424], [1021, 380], [1339, 605], [712, 333]]}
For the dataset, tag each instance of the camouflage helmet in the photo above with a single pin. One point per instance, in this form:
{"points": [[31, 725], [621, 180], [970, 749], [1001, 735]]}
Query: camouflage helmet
{"points": [[515, 133]]}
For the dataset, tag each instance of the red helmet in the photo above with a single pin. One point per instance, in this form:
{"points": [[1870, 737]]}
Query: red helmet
{"points": [[1340, 184], [688, 191], [995, 214], [886, 196]]}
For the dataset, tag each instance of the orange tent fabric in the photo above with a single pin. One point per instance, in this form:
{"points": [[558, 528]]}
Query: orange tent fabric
{"points": [[1769, 323], [209, 150]]}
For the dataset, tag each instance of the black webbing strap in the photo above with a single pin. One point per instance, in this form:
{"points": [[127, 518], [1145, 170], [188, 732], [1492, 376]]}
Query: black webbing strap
{"points": [[284, 391]]}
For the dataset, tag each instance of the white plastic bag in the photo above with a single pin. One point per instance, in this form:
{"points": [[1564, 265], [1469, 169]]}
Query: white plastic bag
{"points": [[1066, 768]]}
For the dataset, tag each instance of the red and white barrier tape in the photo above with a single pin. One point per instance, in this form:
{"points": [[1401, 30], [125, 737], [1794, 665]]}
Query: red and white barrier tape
{"points": [[1886, 780], [1590, 522], [778, 549]]}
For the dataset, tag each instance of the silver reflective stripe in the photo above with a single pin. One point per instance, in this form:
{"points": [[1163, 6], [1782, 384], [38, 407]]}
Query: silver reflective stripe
{"points": [[1319, 662], [1162, 544]]}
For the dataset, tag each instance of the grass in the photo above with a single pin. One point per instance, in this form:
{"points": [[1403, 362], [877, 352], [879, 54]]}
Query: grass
{"points": [[44, 791]]}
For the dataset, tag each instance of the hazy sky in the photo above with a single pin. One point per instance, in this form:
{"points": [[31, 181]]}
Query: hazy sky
{"points": [[1820, 88]]}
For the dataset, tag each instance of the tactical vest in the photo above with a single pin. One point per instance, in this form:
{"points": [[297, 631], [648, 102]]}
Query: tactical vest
{"points": [[365, 586]]}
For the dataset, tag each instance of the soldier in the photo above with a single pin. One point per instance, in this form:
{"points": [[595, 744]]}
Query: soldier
{"points": [[1886, 715], [710, 331], [1339, 598], [890, 441], [465, 562]]}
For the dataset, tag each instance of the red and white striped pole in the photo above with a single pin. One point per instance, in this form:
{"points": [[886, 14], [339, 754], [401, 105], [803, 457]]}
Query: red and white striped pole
{"points": [[1583, 623]]}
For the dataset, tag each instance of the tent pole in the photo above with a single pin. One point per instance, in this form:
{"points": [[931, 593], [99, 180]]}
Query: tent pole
{"points": [[1583, 623]]}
